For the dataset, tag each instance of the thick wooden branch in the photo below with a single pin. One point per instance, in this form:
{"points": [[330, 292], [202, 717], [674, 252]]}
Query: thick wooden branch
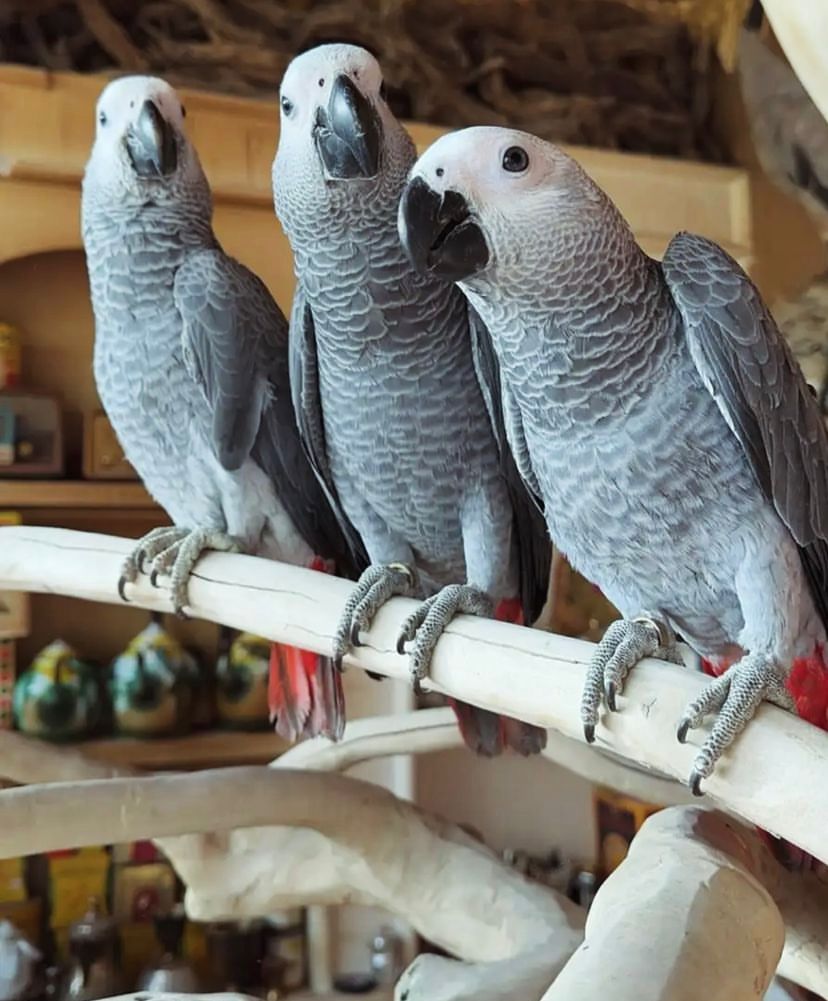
{"points": [[432, 730], [338, 840], [685, 917], [526, 673], [802, 29], [222, 872]]}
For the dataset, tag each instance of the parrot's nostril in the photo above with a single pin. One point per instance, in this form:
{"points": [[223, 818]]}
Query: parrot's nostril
{"points": [[439, 171]]}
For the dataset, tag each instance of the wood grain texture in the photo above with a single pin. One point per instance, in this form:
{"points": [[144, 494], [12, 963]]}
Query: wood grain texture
{"points": [[760, 780]]}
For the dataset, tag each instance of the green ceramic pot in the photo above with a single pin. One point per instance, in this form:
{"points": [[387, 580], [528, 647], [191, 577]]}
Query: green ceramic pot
{"points": [[57, 698]]}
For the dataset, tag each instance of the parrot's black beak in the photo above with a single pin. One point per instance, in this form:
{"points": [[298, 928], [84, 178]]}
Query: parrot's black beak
{"points": [[151, 143], [439, 234], [348, 133]]}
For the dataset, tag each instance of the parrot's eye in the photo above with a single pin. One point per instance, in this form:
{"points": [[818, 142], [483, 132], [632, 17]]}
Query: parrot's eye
{"points": [[515, 160], [102, 117], [287, 106]]}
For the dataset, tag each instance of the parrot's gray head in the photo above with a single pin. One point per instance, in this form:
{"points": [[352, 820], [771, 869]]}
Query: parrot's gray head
{"points": [[141, 153], [339, 143], [493, 202]]}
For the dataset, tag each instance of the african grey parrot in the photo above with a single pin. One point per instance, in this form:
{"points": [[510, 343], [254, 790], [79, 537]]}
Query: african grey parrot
{"points": [[655, 409], [191, 359], [384, 382]]}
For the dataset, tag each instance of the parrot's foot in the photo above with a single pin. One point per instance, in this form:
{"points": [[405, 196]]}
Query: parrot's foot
{"points": [[624, 644], [181, 554], [426, 623], [148, 548], [735, 696], [377, 584]]}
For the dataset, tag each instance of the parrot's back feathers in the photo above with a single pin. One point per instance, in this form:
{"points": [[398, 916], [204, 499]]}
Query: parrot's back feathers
{"points": [[533, 543], [749, 369]]}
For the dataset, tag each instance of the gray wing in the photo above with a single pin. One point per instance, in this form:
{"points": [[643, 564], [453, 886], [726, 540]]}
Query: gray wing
{"points": [[235, 342], [534, 545], [227, 313], [307, 406], [752, 375]]}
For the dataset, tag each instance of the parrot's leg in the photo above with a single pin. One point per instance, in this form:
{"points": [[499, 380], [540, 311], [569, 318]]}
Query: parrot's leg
{"points": [[735, 696], [377, 584], [148, 548], [426, 623], [624, 644], [179, 558]]}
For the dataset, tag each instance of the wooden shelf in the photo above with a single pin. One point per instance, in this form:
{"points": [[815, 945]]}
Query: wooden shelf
{"points": [[76, 494], [200, 750]]}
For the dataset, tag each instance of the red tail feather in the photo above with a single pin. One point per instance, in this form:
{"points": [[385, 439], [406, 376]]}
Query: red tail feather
{"points": [[304, 694], [808, 684], [485, 732], [304, 691]]}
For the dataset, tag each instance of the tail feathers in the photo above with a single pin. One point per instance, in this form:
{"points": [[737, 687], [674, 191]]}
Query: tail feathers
{"points": [[304, 694], [487, 734]]}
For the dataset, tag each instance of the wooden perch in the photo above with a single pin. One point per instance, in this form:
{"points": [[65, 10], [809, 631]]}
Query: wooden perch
{"points": [[255, 871], [347, 841], [529, 674], [801, 26], [698, 912], [430, 730]]}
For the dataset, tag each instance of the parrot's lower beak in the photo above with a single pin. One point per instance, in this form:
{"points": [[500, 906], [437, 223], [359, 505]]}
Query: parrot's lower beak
{"points": [[438, 233], [151, 143], [348, 133]]}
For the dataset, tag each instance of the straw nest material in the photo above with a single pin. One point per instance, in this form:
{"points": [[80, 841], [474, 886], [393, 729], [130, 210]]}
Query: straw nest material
{"points": [[622, 74]]}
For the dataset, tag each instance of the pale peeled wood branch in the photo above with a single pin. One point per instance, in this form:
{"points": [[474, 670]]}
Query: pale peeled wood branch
{"points": [[762, 779], [801, 26], [173, 996], [430, 730], [348, 841], [222, 872], [684, 918]]}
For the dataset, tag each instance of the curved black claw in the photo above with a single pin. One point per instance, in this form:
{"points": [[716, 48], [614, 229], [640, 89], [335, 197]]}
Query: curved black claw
{"points": [[154, 579], [140, 556], [681, 733], [374, 676], [401, 641], [695, 783], [589, 732], [354, 636], [610, 693], [122, 583]]}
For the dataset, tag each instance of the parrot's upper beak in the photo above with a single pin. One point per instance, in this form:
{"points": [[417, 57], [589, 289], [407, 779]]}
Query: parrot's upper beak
{"points": [[439, 234], [348, 133], [151, 143]]}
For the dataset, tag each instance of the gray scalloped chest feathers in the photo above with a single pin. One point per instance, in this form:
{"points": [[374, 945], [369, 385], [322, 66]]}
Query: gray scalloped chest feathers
{"points": [[384, 376], [191, 353], [656, 410]]}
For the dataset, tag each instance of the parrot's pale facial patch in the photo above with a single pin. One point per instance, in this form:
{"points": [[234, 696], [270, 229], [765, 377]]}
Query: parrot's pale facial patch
{"points": [[502, 188], [308, 80], [333, 116], [140, 137]]}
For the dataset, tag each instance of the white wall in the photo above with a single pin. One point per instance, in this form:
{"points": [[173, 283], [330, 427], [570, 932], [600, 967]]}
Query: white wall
{"points": [[522, 803]]}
